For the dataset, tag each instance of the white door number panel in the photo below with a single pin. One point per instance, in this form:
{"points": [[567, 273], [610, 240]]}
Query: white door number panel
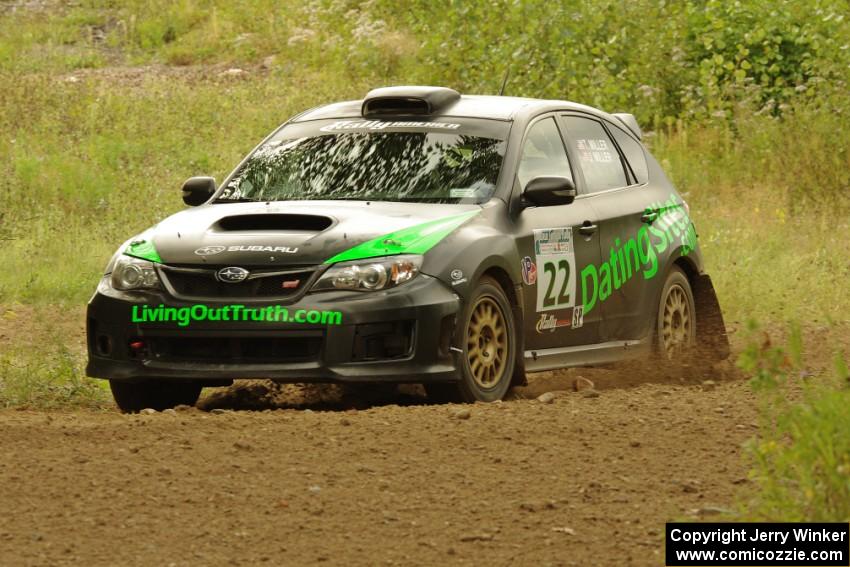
{"points": [[556, 273]]}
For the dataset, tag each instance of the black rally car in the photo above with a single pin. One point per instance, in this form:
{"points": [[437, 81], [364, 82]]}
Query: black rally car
{"points": [[416, 235]]}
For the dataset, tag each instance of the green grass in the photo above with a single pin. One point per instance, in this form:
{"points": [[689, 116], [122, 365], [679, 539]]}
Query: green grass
{"points": [[43, 366], [49, 380]]}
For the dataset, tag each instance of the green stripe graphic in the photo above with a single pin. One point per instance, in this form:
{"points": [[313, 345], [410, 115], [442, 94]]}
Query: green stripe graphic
{"points": [[143, 249], [416, 239]]}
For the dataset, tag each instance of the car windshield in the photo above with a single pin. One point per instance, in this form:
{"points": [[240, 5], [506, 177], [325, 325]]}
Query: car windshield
{"points": [[433, 167]]}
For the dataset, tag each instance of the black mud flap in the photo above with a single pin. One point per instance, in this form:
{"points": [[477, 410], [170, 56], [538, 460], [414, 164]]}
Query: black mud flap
{"points": [[519, 378], [712, 340]]}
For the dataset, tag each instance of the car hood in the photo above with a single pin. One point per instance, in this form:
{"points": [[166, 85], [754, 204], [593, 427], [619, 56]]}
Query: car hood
{"points": [[297, 232]]}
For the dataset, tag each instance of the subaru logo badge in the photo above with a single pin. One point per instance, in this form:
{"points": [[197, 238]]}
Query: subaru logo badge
{"points": [[231, 274]]}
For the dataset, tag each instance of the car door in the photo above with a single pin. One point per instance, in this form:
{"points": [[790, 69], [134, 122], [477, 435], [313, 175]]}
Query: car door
{"points": [[621, 286], [552, 248]]}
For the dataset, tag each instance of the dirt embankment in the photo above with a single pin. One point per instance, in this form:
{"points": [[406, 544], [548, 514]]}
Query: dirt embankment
{"points": [[583, 480]]}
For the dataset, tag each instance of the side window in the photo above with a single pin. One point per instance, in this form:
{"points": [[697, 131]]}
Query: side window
{"points": [[543, 153], [597, 155], [633, 152]]}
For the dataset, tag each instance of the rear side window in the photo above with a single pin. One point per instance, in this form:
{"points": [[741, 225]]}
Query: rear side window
{"points": [[633, 152], [543, 153], [597, 155]]}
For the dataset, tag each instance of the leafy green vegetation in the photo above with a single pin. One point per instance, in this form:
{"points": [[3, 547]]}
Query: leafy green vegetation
{"points": [[802, 455]]}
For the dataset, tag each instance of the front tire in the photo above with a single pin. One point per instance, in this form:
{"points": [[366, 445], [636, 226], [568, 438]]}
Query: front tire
{"points": [[131, 397], [487, 334]]}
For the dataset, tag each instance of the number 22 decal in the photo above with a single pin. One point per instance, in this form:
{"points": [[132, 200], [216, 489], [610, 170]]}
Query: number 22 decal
{"points": [[555, 257], [563, 297]]}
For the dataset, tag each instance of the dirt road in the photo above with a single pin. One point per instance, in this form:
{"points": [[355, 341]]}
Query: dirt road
{"points": [[579, 481]]}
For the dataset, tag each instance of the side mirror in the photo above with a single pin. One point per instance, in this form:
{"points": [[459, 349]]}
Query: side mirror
{"points": [[548, 191], [198, 190]]}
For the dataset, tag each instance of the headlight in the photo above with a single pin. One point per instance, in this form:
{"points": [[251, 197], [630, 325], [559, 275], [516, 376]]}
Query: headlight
{"points": [[370, 275], [133, 273]]}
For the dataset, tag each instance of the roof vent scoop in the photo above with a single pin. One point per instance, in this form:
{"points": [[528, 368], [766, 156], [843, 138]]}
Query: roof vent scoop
{"points": [[393, 101]]}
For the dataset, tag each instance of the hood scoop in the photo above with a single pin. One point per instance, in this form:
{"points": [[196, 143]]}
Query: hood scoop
{"points": [[272, 221]]}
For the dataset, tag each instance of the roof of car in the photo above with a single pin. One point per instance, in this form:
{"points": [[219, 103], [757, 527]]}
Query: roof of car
{"points": [[467, 106]]}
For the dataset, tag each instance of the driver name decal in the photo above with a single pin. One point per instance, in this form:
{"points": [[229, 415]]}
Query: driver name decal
{"points": [[594, 151]]}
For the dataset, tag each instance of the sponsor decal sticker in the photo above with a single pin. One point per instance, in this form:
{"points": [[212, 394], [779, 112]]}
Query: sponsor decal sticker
{"points": [[578, 316], [556, 261], [457, 277], [210, 250], [549, 322], [185, 316], [639, 254], [465, 193], [529, 271], [340, 125]]}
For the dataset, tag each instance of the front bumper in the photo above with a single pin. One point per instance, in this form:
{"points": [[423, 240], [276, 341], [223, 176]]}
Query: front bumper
{"points": [[398, 335]]}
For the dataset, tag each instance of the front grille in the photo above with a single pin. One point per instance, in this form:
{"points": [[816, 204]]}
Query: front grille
{"points": [[261, 350], [202, 283]]}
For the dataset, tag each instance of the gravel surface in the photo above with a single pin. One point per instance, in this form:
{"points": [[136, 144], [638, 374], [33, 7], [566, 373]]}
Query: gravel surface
{"points": [[567, 479]]}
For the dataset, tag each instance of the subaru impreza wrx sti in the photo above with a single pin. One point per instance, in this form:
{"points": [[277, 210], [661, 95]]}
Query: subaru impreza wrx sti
{"points": [[416, 235]]}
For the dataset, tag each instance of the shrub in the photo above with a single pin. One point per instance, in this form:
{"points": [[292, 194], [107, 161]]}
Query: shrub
{"points": [[802, 455]]}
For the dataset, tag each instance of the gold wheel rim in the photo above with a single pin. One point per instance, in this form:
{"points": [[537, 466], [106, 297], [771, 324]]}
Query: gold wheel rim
{"points": [[676, 322], [487, 343]]}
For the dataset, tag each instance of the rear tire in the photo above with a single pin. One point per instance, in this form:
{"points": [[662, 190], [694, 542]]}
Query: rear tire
{"points": [[487, 335], [131, 397], [676, 324]]}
